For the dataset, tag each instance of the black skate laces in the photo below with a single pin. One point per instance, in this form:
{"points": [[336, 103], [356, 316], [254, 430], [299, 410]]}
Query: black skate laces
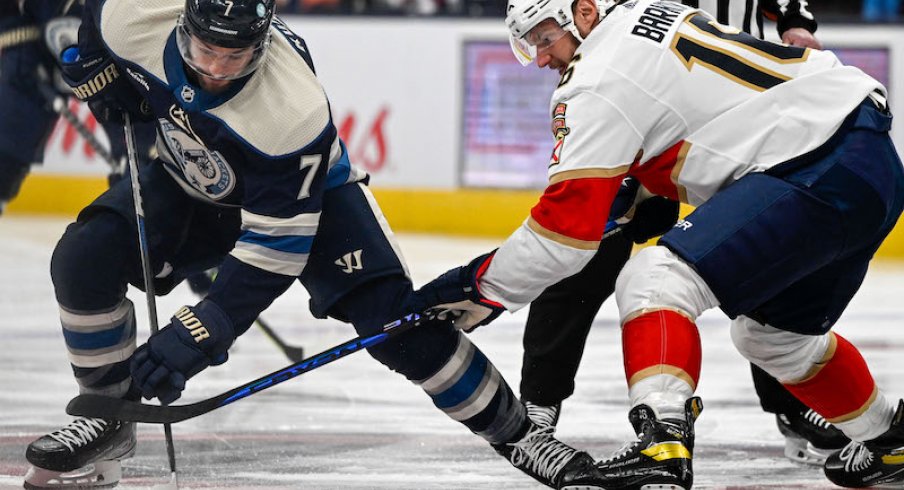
{"points": [[856, 456], [621, 452], [80, 432], [541, 453]]}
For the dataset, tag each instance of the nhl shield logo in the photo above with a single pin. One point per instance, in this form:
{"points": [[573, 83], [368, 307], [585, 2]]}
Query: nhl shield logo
{"points": [[187, 94]]}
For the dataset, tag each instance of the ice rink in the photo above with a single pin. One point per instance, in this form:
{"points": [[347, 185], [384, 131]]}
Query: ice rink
{"points": [[354, 424]]}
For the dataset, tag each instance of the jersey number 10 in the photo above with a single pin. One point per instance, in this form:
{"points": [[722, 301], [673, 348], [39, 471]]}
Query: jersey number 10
{"points": [[695, 48]]}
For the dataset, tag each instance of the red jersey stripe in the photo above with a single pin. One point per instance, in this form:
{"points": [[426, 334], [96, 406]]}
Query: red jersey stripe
{"points": [[577, 209]]}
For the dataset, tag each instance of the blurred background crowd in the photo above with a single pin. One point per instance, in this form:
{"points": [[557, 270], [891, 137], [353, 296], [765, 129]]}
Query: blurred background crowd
{"points": [[824, 10]]}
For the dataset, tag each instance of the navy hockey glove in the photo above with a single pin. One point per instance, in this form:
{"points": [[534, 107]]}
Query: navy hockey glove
{"points": [[456, 293], [99, 82], [196, 337], [639, 214]]}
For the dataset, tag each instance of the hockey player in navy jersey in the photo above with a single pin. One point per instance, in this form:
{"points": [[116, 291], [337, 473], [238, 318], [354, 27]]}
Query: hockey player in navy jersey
{"points": [[29, 82], [251, 177], [786, 155]]}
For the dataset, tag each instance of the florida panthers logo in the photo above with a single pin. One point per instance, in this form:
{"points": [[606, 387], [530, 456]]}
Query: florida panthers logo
{"points": [[203, 169], [559, 132]]}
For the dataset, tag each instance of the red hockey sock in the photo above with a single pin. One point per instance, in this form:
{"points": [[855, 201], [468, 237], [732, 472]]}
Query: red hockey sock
{"points": [[661, 342], [840, 386]]}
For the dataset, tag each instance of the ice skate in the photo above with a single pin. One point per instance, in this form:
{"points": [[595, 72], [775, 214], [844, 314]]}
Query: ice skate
{"points": [[544, 415], [550, 461], [661, 457], [84, 454], [809, 438], [876, 462]]}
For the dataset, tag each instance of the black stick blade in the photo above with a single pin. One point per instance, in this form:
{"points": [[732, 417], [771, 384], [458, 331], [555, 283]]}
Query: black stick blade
{"points": [[118, 409]]}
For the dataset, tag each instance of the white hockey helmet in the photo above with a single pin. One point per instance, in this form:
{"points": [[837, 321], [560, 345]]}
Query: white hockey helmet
{"points": [[524, 15]]}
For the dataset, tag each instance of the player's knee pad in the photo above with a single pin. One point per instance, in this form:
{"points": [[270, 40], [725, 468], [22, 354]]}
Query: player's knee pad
{"points": [[657, 279], [100, 344], [89, 265], [787, 356]]}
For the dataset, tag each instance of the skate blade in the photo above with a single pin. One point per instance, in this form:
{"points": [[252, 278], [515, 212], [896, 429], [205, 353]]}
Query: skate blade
{"points": [[103, 474], [801, 451], [661, 486]]}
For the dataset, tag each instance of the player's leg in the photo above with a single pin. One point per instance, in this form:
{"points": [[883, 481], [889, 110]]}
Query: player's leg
{"points": [[809, 437], [659, 297], [557, 326], [92, 265], [355, 273], [787, 263]]}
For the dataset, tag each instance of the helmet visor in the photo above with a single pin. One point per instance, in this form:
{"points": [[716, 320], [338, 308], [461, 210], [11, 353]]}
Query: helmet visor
{"points": [[217, 62], [541, 36]]}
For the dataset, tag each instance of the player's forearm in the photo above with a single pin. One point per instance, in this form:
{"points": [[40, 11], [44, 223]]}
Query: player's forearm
{"points": [[526, 264], [244, 291]]}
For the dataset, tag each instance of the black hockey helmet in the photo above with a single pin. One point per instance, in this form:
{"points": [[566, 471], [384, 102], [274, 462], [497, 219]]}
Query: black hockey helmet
{"points": [[229, 23], [241, 25]]}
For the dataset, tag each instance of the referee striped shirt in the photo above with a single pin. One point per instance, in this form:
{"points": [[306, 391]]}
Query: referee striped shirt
{"points": [[749, 14]]}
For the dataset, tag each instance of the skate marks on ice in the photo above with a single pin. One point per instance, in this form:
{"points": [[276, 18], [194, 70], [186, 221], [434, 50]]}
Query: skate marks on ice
{"points": [[355, 425]]}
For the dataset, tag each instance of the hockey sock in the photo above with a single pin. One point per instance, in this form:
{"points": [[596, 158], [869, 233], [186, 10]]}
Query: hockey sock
{"points": [[100, 345], [662, 360], [841, 388], [469, 389]]}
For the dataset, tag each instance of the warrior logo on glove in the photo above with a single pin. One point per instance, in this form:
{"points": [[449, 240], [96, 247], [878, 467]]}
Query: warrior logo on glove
{"points": [[192, 323]]}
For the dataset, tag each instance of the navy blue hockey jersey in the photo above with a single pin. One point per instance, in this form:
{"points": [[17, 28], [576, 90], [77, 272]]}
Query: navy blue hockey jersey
{"points": [[267, 144]]}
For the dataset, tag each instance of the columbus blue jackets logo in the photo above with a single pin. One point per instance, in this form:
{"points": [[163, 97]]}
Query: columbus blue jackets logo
{"points": [[203, 169]]}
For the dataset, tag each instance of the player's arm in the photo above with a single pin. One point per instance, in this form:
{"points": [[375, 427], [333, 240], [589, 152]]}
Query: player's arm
{"points": [[280, 216], [796, 24], [84, 67], [280, 219], [594, 148]]}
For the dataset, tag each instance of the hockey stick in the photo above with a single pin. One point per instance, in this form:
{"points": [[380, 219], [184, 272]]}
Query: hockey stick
{"points": [[295, 354], [58, 104], [119, 409], [146, 267]]}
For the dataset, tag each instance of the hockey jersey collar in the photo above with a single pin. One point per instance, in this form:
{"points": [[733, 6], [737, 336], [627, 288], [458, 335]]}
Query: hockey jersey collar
{"points": [[190, 95]]}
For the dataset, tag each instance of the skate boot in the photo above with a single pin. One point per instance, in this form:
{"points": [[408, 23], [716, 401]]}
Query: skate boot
{"points": [[550, 461], [874, 462], [809, 438], [661, 457], [84, 454], [544, 415]]}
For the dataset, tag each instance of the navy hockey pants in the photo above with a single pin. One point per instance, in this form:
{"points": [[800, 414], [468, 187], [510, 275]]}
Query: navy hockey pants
{"points": [[790, 247]]}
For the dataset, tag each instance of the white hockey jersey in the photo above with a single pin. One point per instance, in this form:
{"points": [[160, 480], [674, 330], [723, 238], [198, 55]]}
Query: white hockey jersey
{"points": [[660, 91]]}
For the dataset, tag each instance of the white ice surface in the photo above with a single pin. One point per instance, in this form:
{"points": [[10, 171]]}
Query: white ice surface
{"points": [[355, 424]]}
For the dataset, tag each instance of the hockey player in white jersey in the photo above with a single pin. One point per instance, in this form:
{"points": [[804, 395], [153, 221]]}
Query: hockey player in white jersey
{"points": [[252, 177], [786, 154]]}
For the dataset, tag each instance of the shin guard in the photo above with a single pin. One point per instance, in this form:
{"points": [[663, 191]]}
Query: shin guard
{"points": [[841, 388], [100, 345], [662, 360], [469, 389]]}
